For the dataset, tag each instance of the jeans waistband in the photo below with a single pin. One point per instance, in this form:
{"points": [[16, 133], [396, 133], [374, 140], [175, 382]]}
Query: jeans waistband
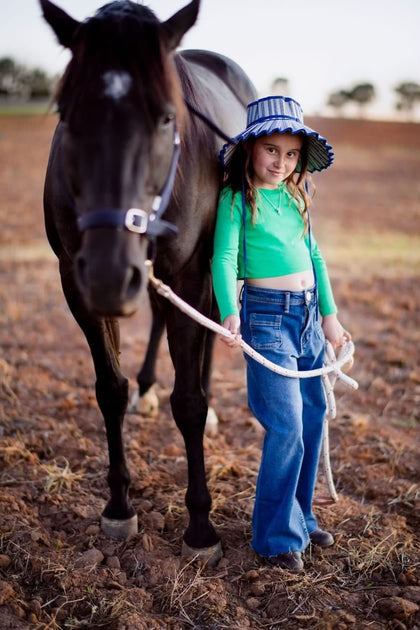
{"points": [[277, 296]]}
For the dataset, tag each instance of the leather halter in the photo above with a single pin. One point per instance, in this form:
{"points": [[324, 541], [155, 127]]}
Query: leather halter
{"points": [[136, 219]]}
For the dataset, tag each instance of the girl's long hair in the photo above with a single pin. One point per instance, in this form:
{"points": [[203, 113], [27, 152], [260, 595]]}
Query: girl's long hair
{"points": [[240, 166]]}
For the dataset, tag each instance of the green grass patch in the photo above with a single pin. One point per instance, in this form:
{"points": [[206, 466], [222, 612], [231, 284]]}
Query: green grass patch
{"points": [[388, 254], [26, 109]]}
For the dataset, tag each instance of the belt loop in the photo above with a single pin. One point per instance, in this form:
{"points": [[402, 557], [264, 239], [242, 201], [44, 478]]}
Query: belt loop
{"points": [[287, 302]]}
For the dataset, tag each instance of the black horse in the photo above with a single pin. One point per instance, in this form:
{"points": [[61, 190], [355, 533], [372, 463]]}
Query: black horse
{"points": [[113, 158]]}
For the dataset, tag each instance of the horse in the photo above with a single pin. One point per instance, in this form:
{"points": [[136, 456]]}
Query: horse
{"points": [[126, 152]]}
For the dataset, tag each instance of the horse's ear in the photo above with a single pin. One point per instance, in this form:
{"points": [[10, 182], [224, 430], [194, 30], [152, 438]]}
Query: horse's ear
{"points": [[62, 24], [176, 26]]}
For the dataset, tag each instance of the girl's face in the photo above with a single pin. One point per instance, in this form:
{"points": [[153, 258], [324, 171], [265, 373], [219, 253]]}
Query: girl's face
{"points": [[274, 158]]}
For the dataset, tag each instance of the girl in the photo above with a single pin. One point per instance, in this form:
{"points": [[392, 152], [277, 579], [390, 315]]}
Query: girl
{"points": [[263, 236]]}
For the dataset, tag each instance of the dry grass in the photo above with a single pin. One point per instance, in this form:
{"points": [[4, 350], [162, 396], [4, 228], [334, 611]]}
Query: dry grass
{"points": [[59, 477]]}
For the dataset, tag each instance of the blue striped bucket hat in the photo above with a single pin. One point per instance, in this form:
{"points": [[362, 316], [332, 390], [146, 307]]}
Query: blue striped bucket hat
{"points": [[281, 114]]}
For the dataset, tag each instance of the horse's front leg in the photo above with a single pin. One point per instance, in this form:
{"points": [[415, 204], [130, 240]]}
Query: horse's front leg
{"points": [[119, 520], [189, 407]]}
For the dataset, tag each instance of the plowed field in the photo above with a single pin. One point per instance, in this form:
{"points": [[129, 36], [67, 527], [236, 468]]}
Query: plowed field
{"points": [[57, 571]]}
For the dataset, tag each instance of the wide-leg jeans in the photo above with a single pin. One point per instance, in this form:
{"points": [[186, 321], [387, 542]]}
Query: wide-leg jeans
{"points": [[284, 327]]}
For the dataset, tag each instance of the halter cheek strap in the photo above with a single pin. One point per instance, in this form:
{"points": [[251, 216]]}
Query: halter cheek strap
{"points": [[135, 219]]}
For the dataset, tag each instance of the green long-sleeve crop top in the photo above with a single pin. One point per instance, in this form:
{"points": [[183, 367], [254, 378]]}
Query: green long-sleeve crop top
{"points": [[275, 246]]}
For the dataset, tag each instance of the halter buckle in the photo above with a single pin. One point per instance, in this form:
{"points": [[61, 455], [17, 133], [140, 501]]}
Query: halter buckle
{"points": [[136, 220]]}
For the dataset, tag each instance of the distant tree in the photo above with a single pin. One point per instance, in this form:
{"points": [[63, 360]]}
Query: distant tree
{"points": [[337, 100], [409, 96], [362, 94], [10, 77], [279, 86], [17, 81], [38, 83]]}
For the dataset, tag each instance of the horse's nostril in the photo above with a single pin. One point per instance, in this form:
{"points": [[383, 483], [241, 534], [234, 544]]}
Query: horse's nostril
{"points": [[133, 286]]}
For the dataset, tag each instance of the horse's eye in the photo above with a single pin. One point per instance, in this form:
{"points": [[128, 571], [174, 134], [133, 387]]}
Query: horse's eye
{"points": [[166, 119]]}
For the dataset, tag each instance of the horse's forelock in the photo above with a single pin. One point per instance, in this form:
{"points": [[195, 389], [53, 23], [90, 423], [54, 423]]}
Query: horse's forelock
{"points": [[122, 36]]}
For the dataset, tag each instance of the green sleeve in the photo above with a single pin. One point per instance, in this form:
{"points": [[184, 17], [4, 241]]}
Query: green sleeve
{"points": [[326, 298], [224, 266]]}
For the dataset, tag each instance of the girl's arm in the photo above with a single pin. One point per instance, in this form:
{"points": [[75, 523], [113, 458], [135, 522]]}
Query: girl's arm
{"points": [[333, 330], [224, 265]]}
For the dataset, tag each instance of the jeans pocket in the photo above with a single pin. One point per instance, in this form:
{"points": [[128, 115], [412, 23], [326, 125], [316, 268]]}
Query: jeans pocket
{"points": [[265, 330]]}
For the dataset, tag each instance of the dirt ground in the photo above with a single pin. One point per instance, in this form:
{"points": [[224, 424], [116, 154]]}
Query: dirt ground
{"points": [[58, 572]]}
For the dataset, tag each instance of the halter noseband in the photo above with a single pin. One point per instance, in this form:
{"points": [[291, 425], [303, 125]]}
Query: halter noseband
{"points": [[136, 219]]}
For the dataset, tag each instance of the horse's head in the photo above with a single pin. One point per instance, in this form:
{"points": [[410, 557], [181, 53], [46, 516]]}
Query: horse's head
{"points": [[119, 101]]}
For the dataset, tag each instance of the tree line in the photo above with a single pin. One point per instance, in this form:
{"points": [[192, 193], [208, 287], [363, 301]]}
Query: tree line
{"points": [[17, 82], [362, 94]]}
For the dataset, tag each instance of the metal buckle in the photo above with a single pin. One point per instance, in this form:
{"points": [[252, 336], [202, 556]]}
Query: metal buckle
{"points": [[130, 220]]}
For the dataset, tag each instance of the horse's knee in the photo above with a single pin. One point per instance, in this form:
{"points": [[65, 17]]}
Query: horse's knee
{"points": [[189, 410], [112, 396]]}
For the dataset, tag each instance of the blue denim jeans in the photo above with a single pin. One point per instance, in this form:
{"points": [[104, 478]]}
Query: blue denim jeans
{"points": [[284, 327]]}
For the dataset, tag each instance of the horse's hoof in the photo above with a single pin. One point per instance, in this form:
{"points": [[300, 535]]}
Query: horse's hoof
{"points": [[121, 529], [134, 401], [148, 404], [212, 422], [209, 555]]}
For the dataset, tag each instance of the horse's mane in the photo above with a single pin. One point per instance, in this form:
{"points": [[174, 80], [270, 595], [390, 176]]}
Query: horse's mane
{"points": [[121, 36]]}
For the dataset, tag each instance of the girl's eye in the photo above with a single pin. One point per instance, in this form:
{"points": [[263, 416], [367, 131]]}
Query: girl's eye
{"points": [[292, 154]]}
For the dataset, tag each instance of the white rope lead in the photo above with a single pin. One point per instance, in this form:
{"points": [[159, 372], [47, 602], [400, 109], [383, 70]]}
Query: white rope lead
{"points": [[330, 372]]}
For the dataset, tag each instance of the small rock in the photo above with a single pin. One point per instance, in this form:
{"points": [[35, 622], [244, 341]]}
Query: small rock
{"points": [[169, 522], [92, 530], [380, 385], [145, 505], [359, 420], [252, 603], [122, 578], [397, 607], [108, 550], [148, 492], [251, 575], [35, 606], [19, 611], [90, 558], [113, 562], [4, 561], [6, 592], [173, 451], [412, 593], [258, 589], [155, 521]]}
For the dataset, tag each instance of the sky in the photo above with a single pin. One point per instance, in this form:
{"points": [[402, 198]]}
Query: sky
{"points": [[319, 46]]}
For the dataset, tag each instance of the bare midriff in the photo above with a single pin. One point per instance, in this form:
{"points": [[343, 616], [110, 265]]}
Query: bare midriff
{"points": [[290, 282]]}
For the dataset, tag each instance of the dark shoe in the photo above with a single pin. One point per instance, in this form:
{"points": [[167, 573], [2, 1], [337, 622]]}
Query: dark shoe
{"points": [[290, 561], [321, 539]]}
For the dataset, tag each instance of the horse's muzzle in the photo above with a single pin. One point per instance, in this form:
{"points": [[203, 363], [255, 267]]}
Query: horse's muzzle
{"points": [[110, 277]]}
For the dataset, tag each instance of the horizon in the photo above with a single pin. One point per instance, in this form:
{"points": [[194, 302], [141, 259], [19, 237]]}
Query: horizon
{"points": [[343, 44]]}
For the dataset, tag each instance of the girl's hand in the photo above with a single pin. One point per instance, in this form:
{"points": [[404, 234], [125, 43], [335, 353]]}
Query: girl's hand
{"points": [[232, 323], [334, 331]]}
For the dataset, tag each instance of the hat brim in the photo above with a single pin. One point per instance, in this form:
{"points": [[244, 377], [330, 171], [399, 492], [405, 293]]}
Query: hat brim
{"points": [[320, 153]]}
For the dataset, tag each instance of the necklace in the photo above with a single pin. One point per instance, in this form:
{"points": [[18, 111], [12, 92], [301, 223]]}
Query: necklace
{"points": [[273, 205]]}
